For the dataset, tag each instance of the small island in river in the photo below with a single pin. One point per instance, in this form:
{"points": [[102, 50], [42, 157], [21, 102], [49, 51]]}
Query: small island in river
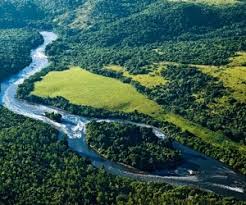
{"points": [[132, 145]]}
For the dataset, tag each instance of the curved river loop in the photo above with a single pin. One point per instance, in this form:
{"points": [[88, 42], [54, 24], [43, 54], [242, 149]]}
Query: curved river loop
{"points": [[196, 170]]}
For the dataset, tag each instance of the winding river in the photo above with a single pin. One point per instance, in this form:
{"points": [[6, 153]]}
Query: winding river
{"points": [[208, 174]]}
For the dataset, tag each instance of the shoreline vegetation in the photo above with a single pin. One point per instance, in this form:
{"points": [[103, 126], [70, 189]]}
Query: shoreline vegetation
{"points": [[54, 116], [15, 52], [132, 145]]}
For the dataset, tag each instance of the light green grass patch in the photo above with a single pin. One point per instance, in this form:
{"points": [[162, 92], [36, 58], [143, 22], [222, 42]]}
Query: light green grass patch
{"points": [[232, 77], [81, 87], [149, 80], [238, 60]]}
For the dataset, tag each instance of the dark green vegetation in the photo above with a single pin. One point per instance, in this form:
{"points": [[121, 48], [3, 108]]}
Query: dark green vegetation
{"points": [[32, 13], [15, 50], [16, 41], [54, 116], [131, 145], [35, 168], [18, 15]]}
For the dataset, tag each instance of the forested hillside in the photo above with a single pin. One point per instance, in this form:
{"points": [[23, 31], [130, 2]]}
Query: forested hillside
{"points": [[17, 15], [33, 13], [132, 38], [15, 50]]}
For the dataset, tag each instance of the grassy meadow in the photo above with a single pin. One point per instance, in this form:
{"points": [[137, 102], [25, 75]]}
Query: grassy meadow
{"points": [[149, 80], [85, 88], [232, 75]]}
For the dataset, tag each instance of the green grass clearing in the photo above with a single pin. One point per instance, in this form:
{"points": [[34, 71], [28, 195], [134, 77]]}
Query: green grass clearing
{"points": [[82, 87], [232, 75], [149, 80], [238, 60]]}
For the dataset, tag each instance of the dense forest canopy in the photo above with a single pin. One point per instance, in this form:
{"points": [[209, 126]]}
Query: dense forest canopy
{"points": [[132, 145], [15, 50], [181, 32]]}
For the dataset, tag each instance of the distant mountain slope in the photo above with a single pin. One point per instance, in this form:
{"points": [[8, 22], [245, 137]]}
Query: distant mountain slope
{"points": [[136, 28], [19, 13]]}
